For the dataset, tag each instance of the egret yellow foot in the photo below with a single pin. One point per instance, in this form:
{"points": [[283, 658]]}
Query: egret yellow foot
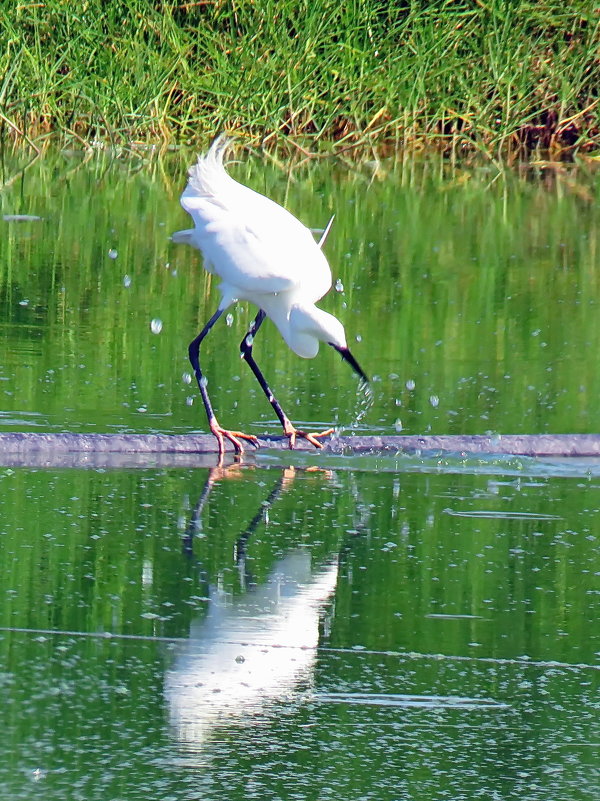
{"points": [[292, 433], [233, 436]]}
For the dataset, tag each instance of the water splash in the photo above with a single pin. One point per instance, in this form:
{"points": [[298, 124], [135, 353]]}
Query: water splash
{"points": [[365, 401]]}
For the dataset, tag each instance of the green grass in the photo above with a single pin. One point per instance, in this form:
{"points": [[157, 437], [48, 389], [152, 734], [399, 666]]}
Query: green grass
{"points": [[489, 75]]}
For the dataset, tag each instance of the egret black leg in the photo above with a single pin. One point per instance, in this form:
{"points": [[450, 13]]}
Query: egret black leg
{"points": [[246, 350], [194, 354], [288, 429]]}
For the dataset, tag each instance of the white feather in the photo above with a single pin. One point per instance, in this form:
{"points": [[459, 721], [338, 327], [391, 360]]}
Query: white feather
{"points": [[261, 252]]}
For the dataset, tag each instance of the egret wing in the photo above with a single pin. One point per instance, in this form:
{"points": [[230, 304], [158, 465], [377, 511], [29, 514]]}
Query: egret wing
{"points": [[253, 243]]}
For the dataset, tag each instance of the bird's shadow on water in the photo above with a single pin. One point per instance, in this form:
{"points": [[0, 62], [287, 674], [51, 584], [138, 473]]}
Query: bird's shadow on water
{"points": [[223, 472], [236, 470], [256, 649], [256, 644]]}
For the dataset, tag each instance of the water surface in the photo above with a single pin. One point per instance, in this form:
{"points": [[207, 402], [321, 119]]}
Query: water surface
{"points": [[294, 634], [471, 297], [302, 626]]}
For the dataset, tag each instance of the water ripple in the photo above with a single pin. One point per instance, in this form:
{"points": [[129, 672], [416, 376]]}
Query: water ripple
{"points": [[401, 700], [492, 513]]}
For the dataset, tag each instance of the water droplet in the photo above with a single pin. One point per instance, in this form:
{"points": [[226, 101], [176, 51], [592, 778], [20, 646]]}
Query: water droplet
{"points": [[186, 378], [126, 280], [112, 254], [398, 425], [358, 338], [339, 287], [156, 325], [365, 402], [410, 384], [249, 340], [142, 409], [240, 659], [203, 381], [398, 402], [189, 401], [24, 302], [229, 320], [434, 400]]}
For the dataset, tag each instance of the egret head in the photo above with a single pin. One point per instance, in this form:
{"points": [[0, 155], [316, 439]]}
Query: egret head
{"points": [[310, 325]]}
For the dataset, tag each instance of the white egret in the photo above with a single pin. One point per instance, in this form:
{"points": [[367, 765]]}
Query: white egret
{"points": [[264, 255]]}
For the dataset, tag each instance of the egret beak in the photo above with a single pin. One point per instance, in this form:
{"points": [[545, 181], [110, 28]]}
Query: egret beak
{"points": [[348, 357]]}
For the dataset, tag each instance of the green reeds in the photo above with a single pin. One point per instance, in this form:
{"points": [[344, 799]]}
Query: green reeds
{"points": [[479, 74]]}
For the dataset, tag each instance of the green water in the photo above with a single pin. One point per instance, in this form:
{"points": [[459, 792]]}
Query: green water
{"points": [[479, 288], [373, 629]]}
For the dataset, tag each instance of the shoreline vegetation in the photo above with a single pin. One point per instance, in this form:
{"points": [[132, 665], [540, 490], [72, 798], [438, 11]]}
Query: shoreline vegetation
{"points": [[498, 77]]}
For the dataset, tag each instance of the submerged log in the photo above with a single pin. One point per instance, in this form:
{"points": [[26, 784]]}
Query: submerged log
{"points": [[116, 450]]}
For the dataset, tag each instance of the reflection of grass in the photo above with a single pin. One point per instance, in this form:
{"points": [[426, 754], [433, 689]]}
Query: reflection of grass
{"points": [[481, 287], [455, 72]]}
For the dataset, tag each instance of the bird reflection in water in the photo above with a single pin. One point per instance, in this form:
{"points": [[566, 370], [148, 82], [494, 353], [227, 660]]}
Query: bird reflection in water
{"points": [[253, 650]]}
